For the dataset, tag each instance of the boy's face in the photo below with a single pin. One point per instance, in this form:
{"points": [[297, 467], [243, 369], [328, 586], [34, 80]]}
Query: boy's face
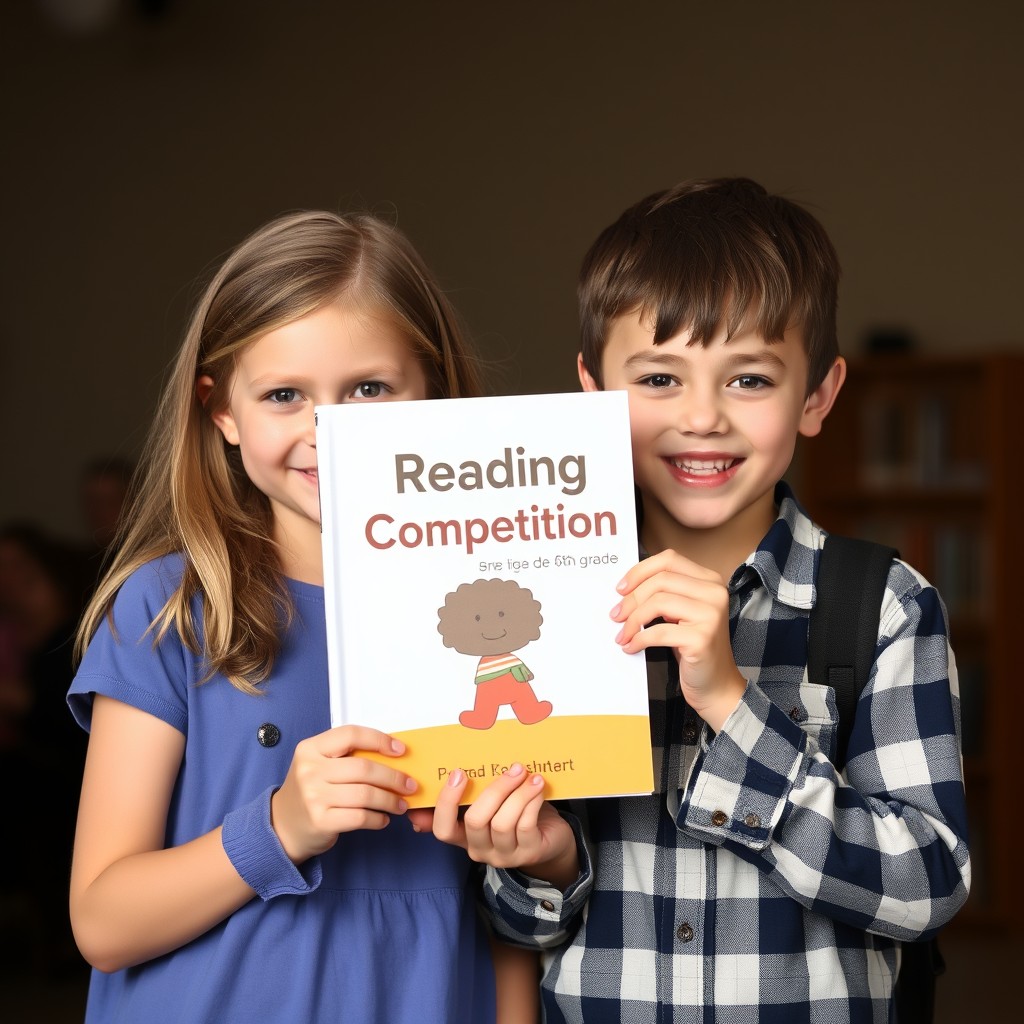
{"points": [[713, 428]]}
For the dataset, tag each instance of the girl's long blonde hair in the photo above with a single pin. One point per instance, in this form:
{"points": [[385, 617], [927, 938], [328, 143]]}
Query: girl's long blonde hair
{"points": [[191, 494]]}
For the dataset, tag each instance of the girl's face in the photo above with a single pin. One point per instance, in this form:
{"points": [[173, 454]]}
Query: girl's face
{"points": [[331, 356]]}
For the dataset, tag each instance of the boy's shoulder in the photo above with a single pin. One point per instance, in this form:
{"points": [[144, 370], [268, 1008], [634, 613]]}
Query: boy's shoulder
{"points": [[789, 558]]}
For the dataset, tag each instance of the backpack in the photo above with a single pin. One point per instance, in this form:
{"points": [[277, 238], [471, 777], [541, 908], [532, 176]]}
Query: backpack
{"points": [[841, 640]]}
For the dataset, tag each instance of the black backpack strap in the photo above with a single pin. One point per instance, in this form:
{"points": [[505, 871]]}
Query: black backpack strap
{"points": [[843, 627], [841, 641]]}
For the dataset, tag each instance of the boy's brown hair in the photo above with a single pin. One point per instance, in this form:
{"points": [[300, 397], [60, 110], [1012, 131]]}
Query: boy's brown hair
{"points": [[708, 252]]}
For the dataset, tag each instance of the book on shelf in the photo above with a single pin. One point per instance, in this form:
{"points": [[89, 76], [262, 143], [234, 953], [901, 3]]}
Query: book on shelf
{"points": [[471, 550], [908, 441]]}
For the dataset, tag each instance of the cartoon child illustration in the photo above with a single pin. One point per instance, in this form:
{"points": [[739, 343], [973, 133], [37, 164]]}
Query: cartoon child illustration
{"points": [[491, 618]]}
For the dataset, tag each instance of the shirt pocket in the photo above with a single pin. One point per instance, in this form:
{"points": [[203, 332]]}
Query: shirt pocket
{"points": [[811, 705]]}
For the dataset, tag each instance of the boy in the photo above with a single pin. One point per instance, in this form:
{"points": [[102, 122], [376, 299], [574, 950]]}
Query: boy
{"points": [[757, 884]]}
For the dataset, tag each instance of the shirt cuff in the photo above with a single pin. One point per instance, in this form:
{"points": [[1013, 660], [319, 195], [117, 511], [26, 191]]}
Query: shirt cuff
{"points": [[255, 851], [743, 779]]}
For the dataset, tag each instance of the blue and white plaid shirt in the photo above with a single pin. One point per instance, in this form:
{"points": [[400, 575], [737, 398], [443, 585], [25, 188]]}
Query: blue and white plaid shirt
{"points": [[758, 886]]}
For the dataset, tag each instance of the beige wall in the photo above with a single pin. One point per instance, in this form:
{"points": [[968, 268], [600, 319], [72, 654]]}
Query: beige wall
{"points": [[502, 136]]}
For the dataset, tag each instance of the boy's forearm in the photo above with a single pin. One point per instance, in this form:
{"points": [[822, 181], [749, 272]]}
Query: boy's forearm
{"points": [[559, 872]]}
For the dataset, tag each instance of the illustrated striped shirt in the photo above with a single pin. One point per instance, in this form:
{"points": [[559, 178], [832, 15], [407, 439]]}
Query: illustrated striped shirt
{"points": [[760, 886], [493, 665]]}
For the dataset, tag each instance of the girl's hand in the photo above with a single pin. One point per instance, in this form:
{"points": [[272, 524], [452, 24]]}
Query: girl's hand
{"points": [[694, 604], [509, 825], [328, 791]]}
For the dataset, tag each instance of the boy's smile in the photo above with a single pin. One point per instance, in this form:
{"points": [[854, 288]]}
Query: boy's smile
{"points": [[713, 429]]}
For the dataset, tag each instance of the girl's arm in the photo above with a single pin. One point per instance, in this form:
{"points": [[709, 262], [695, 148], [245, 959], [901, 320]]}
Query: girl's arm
{"points": [[131, 899], [517, 983]]}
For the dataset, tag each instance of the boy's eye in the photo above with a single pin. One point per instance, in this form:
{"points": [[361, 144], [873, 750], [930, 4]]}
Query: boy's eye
{"points": [[658, 380], [750, 382], [283, 396]]}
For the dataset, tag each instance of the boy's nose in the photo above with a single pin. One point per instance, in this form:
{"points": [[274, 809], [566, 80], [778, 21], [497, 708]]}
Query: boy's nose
{"points": [[701, 412]]}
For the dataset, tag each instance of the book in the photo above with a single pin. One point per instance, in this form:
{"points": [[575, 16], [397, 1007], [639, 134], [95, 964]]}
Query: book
{"points": [[471, 551]]}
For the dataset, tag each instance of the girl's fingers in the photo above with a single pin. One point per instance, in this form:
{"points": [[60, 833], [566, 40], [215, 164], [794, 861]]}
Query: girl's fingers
{"points": [[347, 739], [355, 771]]}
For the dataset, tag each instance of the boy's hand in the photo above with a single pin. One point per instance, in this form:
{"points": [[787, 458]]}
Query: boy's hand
{"points": [[693, 603], [509, 825], [328, 791]]}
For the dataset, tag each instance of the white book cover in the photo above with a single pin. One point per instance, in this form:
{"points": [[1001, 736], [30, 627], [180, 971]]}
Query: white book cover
{"points": [[471, 550]]}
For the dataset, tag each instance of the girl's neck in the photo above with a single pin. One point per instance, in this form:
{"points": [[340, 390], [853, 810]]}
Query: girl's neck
{"points": [[300, 561]]}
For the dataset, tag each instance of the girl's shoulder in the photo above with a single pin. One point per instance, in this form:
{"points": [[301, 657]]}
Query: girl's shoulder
{"points": [[156, 579]]}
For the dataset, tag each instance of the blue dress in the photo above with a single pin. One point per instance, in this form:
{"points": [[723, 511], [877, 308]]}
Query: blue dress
{"points": [[381, 928]]}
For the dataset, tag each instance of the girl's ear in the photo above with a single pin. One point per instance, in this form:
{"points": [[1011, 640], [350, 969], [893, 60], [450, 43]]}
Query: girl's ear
{"points": [[586, 381], [222, 418], [820, 400]]}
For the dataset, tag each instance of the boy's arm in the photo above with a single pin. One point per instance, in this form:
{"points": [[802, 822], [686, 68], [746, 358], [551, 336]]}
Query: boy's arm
{"points": [[886, 850], [539, 871]]}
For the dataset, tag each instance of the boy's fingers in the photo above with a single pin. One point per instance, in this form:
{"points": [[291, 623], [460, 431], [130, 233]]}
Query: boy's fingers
{"points": [[480, 813], [445, 822], [515, 823], [421, 819]]}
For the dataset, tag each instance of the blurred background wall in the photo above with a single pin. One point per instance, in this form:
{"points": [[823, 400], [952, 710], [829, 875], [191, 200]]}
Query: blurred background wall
{"points": [[143, 138]]}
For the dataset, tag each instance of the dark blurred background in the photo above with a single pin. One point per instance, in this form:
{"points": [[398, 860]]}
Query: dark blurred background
{"points": [[143, 138]]}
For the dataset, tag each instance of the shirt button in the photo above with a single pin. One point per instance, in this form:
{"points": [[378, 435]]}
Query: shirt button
{"points": [[719, 818], [684, 933], [690, 734], [752, 821], [268, 734], [547, 904], [796, 714]]}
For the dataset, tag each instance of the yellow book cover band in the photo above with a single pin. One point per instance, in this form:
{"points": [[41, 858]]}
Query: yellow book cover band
{"points": [[574, 753]]}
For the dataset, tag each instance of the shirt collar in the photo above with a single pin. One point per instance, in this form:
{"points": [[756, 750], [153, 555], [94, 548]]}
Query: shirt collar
{"points": [[786, 557]]}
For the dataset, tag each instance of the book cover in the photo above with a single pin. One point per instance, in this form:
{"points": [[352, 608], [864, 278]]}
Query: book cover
{"points": [[471, 551]]}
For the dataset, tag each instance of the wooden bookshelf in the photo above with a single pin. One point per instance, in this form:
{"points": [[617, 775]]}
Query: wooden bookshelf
{"points": [[927, 454]]}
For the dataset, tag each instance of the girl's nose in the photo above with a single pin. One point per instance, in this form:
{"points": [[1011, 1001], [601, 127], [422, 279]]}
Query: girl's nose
{"points": [[309, 431]]}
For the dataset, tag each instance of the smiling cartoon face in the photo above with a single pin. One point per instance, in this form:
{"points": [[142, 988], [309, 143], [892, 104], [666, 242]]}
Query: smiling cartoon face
{"points": [[489, 617]]}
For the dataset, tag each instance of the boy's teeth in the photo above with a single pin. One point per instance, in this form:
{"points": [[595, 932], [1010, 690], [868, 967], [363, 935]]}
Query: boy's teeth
{"points": [[697, 466]]}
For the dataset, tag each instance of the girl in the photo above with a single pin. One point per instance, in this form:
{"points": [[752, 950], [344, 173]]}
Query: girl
{"points": [[235, 859]]}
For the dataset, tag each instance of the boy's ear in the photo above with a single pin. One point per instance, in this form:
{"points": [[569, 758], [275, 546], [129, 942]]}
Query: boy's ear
{"points": [[223, 419], [586, 381], [819, 401]]}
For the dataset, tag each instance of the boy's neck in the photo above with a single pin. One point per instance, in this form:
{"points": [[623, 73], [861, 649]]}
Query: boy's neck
{"points": [[720, 548]]}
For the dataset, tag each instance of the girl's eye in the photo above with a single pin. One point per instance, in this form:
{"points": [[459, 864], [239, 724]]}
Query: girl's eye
{"points": [[750, 382], [658, 381], [370, 389], [283, 396]]}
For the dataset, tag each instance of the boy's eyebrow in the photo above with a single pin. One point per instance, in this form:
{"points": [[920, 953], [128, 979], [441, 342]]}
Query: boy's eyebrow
{"points": [[648, 357]]}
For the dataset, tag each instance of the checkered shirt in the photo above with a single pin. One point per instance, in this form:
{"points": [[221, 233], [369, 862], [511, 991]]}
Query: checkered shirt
{"points": [[760, 886]]}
